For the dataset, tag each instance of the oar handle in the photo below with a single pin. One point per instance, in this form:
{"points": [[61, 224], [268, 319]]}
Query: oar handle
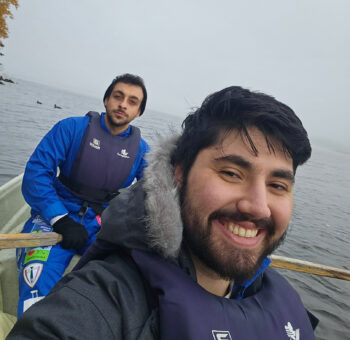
{"points": [[28, 240], [309, 267]]}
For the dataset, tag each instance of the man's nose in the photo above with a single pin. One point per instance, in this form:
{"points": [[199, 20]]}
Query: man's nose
{"points": [[254, 201], [123, 103]]}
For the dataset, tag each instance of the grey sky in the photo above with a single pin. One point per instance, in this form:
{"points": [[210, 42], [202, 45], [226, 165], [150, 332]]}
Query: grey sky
{"points": [[297, 51]]}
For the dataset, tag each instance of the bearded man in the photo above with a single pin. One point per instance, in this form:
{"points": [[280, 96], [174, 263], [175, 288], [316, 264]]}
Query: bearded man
{"points": [[97, 154], [183, 253]]}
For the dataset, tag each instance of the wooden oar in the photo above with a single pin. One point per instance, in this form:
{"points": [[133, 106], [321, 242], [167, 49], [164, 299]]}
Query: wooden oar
{"points": [[27, 240], [309, 267]]}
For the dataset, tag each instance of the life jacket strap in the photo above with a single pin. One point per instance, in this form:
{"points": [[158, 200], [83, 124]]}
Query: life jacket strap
{"points": [[97, 195]]}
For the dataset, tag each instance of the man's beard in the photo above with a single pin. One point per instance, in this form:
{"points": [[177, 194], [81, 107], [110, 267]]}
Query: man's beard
{"points": [[113, 123], [230, 263]]}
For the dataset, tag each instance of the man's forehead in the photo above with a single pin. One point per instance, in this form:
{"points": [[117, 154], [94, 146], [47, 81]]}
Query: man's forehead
{"points": [[253, 141], [130, 89]]}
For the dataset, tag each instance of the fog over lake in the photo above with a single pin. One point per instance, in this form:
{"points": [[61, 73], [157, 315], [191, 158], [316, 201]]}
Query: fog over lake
{"points": [[297, 51]]}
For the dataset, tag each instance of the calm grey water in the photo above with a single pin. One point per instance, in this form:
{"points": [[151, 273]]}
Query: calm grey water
{"points": [[319, 231]]}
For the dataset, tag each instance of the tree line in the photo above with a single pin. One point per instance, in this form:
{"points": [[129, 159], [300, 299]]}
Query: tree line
{"points": [[5, 13]]}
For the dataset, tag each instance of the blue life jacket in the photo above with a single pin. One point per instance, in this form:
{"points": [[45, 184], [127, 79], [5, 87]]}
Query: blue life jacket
{"points": [[187, 311], [102, 163]]}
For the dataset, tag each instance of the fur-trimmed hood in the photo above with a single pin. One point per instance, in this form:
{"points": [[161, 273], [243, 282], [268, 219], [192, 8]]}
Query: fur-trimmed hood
{"points": [[148, 215]]}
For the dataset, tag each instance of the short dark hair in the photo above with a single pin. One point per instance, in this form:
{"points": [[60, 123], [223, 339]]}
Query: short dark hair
{"points": [[236, 108], [128, 78]]}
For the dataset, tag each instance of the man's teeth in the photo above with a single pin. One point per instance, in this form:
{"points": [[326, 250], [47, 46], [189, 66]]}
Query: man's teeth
{"points": [[238, 230]]}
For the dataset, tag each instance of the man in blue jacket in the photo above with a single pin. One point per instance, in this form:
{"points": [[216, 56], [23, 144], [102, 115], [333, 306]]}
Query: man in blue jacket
{"points": [[96, 156]]}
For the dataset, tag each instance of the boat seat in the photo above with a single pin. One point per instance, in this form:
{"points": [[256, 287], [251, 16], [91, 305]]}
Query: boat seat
{"points": [[7, 321]]}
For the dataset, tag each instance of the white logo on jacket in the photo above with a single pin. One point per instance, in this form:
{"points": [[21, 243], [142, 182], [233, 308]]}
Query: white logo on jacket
{"points": [[31, 273], [291, 333], [29, 302], [221, 335], [95, 144], [123, 153]]}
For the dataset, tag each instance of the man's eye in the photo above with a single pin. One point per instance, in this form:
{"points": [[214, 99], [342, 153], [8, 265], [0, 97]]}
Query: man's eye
{"points": [[133, 102], [228, 173], [279, 186]]}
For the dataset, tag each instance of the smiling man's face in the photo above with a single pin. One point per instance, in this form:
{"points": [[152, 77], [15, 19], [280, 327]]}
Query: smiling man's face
{"points": [[236, 206]]}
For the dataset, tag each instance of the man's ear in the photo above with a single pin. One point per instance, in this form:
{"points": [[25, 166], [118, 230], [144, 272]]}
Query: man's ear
{"points": [[178, 176]]}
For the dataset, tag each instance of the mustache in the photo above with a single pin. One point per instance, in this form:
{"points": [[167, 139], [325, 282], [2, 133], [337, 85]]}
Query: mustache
{"points": [[119, 111], [263, 223]]}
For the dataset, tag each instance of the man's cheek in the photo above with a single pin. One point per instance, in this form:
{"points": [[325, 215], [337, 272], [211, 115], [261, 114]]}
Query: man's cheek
{"points": [[205, 198]]}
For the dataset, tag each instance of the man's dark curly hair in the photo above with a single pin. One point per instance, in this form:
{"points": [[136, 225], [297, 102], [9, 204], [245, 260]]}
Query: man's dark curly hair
{"points": [[238, 109]]}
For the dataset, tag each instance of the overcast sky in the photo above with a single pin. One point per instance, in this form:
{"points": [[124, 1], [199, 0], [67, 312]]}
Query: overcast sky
{"points": [[297, 51]]}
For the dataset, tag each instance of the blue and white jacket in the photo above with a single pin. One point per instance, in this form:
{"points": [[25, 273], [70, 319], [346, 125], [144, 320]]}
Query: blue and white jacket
{"points": [[41, 188]]}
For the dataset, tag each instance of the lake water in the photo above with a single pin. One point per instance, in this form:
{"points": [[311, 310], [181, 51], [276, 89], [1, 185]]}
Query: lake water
{"points": [[319, 231]]}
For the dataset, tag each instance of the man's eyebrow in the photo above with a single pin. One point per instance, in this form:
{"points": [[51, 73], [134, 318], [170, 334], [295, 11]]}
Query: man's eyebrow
{"points": [[135, 97], [285, 174], [235, 159], [119, 92]]}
